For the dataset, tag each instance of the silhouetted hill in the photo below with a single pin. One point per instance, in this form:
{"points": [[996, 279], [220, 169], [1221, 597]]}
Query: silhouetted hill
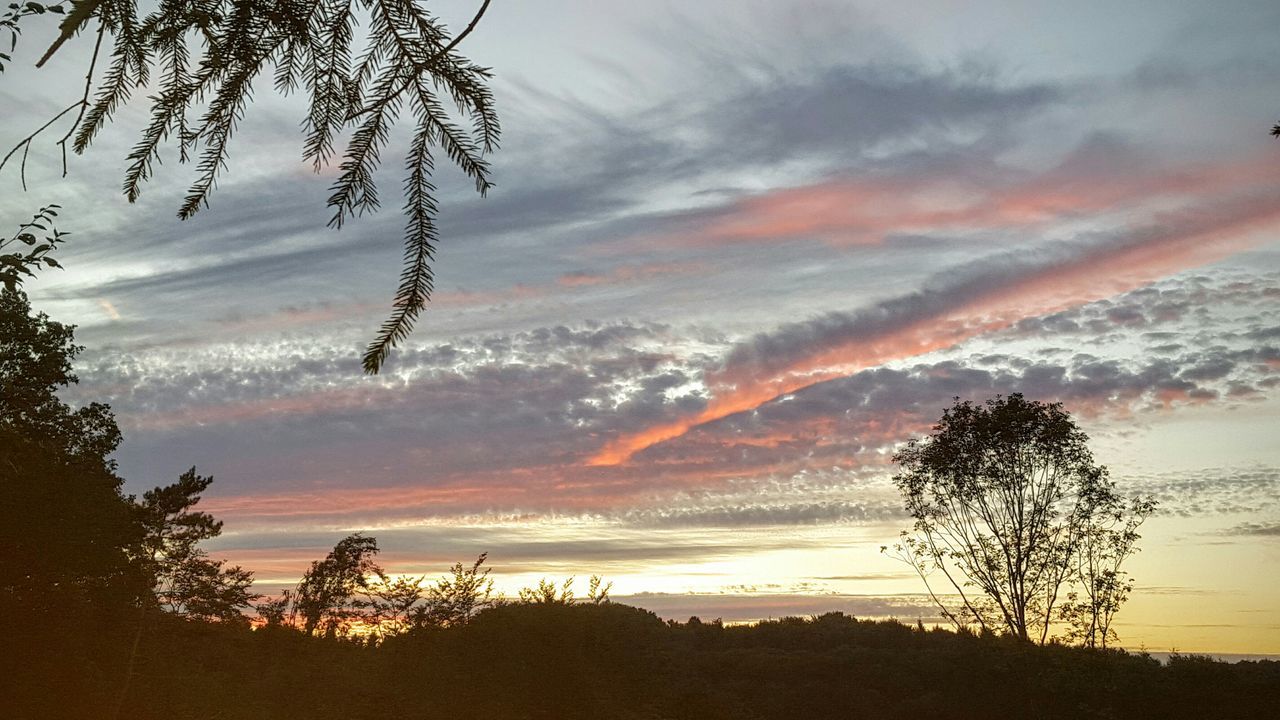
{"points": [[614, 661]]}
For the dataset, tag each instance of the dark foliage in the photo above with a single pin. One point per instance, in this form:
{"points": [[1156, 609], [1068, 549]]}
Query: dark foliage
{"points": [[561, 661], [64, 540], [84, 568]]}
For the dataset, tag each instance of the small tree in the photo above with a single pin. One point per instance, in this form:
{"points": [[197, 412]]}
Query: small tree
{"points": [[455, 600], [186, 580], [1009, 506], [326, 600], [1102, 587], [598, 590]]}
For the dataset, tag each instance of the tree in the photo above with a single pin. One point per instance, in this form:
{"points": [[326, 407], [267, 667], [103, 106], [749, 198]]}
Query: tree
{"points": [[598, 590], [546, 593], [454, 601], [326, 600], [68, 537], [186, 581], [1102, 587], [348, 589], [199, 60], [1010, 507]]}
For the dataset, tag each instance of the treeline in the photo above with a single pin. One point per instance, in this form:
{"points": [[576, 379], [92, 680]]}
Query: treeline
{"points": [[583, 660]]}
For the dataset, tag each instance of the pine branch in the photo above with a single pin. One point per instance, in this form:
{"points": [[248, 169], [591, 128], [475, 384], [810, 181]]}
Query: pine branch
{"points": [[209, 53], [416, 279]]}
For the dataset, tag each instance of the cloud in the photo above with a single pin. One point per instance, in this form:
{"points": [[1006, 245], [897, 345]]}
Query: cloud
{"points": [[1214, 490], [347, 457], [1251, 529], [967, 302], [1103, 177], [749, 514]]}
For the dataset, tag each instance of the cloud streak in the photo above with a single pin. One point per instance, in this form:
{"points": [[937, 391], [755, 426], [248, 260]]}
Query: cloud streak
{"points": [[995, 294]]}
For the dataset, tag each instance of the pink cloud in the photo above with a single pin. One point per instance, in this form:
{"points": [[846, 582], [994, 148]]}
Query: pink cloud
{"points": [[865, 211], [1178, 241]]}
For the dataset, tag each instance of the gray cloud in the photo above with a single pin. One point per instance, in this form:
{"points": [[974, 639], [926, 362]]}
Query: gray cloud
{"points": [[768, 353], [1251, 529]]}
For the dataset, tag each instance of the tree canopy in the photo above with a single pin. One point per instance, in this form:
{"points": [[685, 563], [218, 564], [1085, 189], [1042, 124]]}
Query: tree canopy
{"points": [[67, 534]]}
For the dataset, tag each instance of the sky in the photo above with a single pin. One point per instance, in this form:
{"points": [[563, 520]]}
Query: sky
{"points": [[737, 253]]}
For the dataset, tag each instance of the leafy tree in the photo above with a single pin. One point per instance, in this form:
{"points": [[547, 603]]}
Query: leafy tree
{"points": [[1009, 506], [326, 600], [393, 605], [349, 589], [199, 59], [67, 534], [186, 581], [275, 612], [35, 361], [454, 601], [598, 590]]}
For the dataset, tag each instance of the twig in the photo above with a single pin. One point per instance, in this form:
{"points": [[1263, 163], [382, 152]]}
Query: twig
{"points": [[465, 32], [84, 99], [25, 143], [81, 104]]}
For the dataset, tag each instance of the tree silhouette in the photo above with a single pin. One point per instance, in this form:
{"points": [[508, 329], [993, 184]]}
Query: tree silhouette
{"points": [[1010, 507], [67, 535], [454, 600], [186, 580], [548, 593], [326, 600], [201, 59], [1102, 586]]}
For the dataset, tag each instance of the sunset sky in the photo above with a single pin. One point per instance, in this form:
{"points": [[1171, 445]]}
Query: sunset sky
{"points": [[737, 253]]}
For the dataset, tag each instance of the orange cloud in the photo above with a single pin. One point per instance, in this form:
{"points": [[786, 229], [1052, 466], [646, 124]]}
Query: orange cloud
{"points": [[1179, 241], [864, 212]]}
